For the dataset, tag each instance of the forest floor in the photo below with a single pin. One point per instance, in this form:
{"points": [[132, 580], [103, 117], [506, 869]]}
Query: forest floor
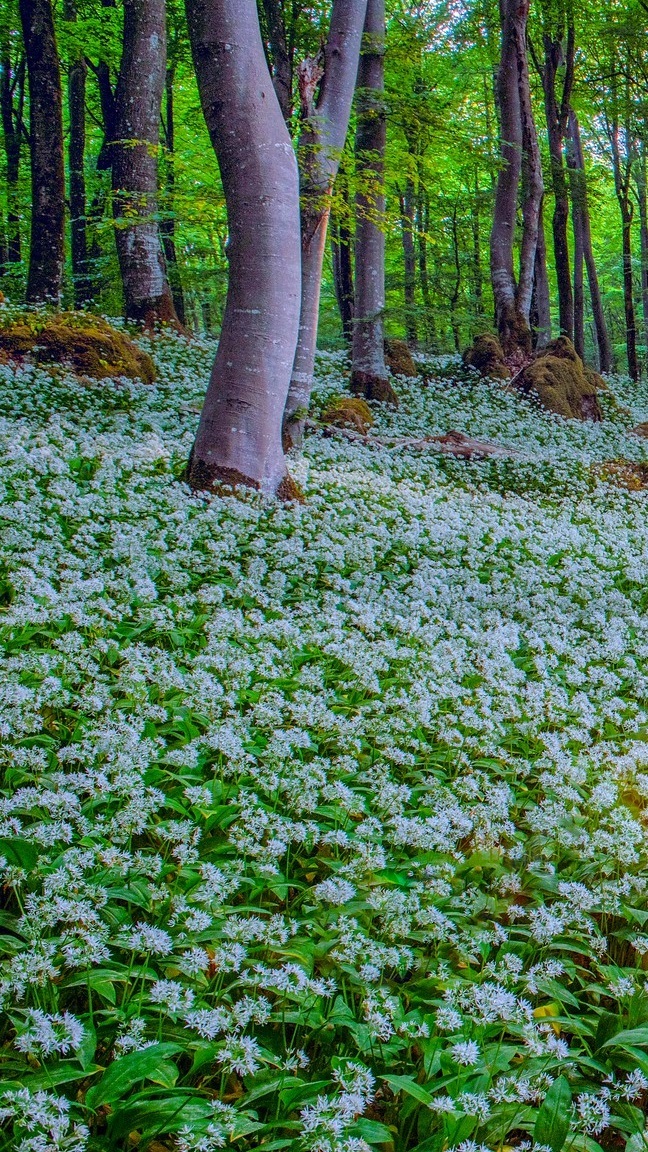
{"points": [[325, 826]]}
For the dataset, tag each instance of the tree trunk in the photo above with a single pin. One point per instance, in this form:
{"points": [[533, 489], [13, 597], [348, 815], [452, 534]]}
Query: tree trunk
{"points": [[628, 290], [239, 434], [476, 237], [557, 121], [369, 372], [532, 182], [168, 221], [341, 241], [422, 223], [407, 207], [542, 333], [512, 320], [325, 123], [76, 163], [580, 208], [134, 156], [45, 277], [642, 189], [282, 59], [12, 100]]}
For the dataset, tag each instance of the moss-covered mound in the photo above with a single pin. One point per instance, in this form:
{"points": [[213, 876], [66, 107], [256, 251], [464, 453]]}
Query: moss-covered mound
{"points": [[486, 355], [559, 380], [77, 340], [399, 360], [348, 412], [629, 474]]}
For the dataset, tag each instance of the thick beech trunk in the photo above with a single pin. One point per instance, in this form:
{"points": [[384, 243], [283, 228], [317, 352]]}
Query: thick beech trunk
{"points": [[325, 122], [239, 434], [370, 377], [557, 114], [580, 209], [513, 299], [168, 221], [642, 200], [134, 157], [12, 99], [45, 277], [622, 149], [579, 285], [407, 209]]}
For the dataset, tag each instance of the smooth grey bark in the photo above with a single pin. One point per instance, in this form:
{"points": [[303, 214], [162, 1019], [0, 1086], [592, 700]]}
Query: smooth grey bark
{"points": [[580, 209], [81, 278], [518, 142], [619, 133], [422, 226], [369, 375], [45, 276], [641, 190], [325, 123], [134, 154], [239, 433]]}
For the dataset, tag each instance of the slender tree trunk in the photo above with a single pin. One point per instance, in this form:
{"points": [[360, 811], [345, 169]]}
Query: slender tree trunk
{"points": [[422, 224], [370, 377], [579, 285], [454, 298], [341, 242], [542, 334], [478, 282], [641, 189], [45, 277], [239, 434], [282, 57], [76, 164], [12, 97], [512, 301], [557, 120], [580, 207], [325, 123], [407, 208], [134, 156], [168, 221], [628, 289]]}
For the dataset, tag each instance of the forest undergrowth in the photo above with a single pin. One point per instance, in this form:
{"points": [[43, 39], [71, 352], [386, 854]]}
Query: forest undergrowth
{"points": [[324, 826]]}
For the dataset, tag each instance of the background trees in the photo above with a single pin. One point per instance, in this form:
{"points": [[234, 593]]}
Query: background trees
{"points": [[449, 143]]}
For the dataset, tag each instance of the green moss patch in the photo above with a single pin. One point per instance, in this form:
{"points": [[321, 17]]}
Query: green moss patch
{"points": [[86, 344]]}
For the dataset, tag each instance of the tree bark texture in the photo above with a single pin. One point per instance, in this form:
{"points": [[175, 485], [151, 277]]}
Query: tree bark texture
{"points": [[12, 102], [422, 226], [370, 377], [134, 155], [239, 434], [45, 276], [325, 123], [580, 209], [518, 137], [642, 200], [622, 149]]}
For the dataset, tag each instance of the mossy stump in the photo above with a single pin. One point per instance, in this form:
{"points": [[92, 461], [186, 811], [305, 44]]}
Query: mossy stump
{"points": [[622, 473], [486, 356], [79, 341], [371, 387], [348, 412], [399, 359], [561, 382]]}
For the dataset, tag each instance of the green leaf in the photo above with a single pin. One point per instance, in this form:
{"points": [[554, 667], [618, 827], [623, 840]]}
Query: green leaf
{"points": [[159, 1116], [19, 853], [409, 1087], [635, 1036], [119, 1078], [553, 1122], [372, 1131]]}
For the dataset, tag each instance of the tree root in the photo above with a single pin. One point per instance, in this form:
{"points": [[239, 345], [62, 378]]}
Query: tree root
{"points": [[450, 443]]}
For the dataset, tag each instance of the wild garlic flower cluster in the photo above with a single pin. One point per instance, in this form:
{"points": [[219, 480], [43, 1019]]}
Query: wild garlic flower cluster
{"points": [[327, 824]]}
